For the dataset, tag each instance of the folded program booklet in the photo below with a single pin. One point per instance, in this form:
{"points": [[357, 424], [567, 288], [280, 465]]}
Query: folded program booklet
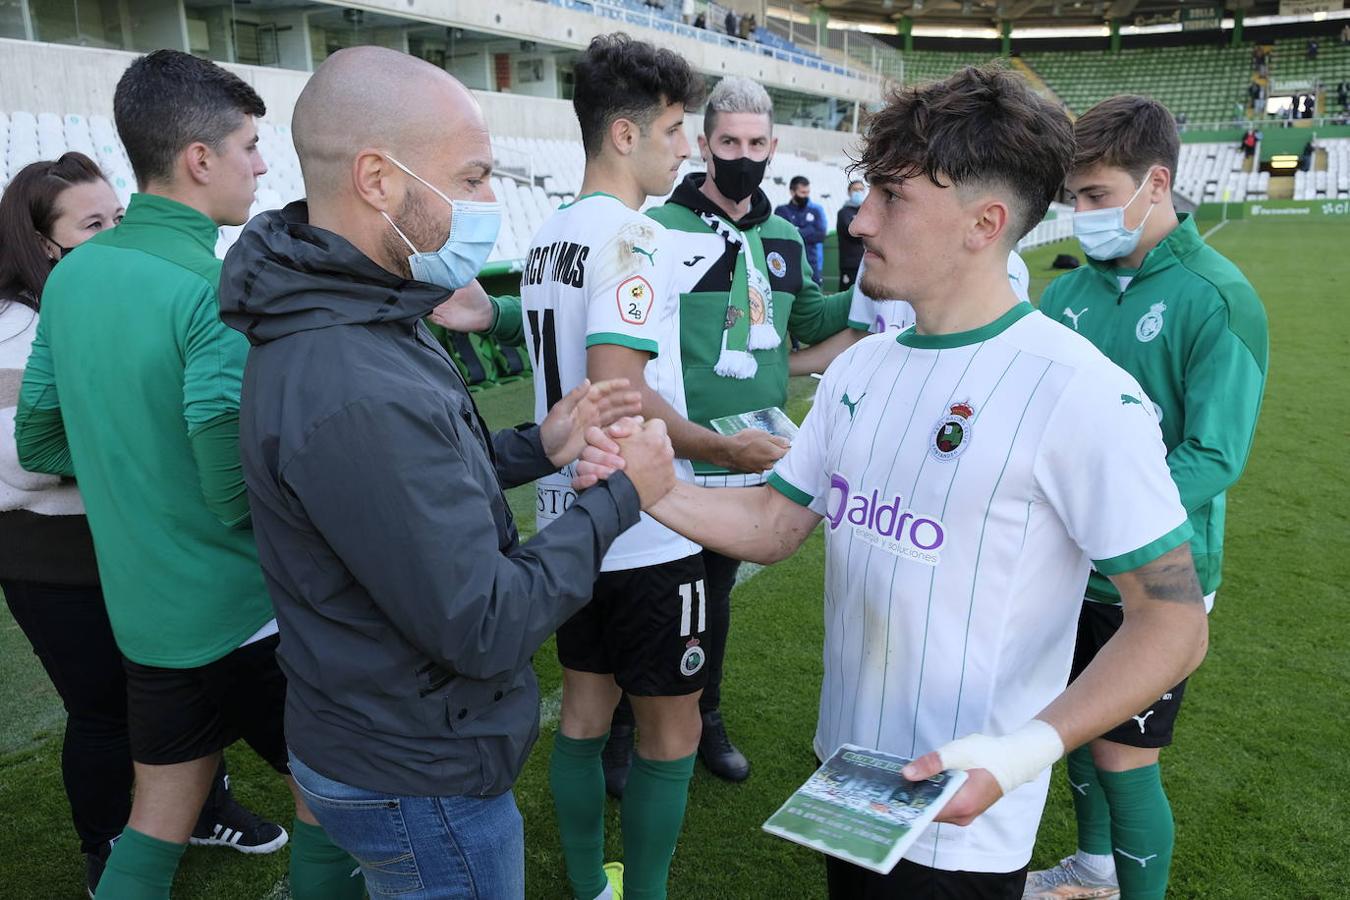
{"points": [[859, 808], [773, 420]]}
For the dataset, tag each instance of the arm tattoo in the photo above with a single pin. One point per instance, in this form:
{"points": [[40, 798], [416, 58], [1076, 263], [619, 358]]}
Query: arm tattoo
{"points": [[1172, 578]]}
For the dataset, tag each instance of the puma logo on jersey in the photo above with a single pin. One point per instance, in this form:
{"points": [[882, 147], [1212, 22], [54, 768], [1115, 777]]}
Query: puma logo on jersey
{"points": [[650, 254], [1073, 316], [1142, 860], [1142, 719], [851, 404], [1127, 399], [695, 261]]}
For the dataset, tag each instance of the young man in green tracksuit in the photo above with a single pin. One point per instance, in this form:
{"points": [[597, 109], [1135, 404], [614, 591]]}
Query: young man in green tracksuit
{"points": [[133, 389], [1182, 320], [745, 283]]}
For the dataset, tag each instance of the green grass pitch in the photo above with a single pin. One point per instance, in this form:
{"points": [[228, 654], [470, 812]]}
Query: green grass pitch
{"points": [[1257, 777]]}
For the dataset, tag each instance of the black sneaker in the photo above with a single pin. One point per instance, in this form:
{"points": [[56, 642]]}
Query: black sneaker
{"points": [[225, 823], [617, 759], [94, 864], [717, 752]]}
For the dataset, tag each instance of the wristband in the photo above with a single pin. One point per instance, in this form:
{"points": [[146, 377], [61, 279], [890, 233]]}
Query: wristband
{"points": [[1013, 759]]}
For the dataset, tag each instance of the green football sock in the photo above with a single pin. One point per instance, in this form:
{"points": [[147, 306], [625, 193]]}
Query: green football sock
{"points": [[1142, 832], [653, 814], [140, 868], [320, 869], [1089, 804], [578, 782]]}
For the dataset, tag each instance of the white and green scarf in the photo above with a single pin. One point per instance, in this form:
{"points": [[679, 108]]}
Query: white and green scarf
{"points": [[749, 322]]}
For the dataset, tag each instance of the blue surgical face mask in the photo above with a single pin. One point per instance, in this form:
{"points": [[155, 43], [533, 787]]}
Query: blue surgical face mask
{"points": [[1102, 232], [856, 198], [473, 233]]}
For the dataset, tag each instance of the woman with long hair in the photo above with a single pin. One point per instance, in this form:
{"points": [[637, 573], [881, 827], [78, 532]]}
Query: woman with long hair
{"points": [[48, 570]]}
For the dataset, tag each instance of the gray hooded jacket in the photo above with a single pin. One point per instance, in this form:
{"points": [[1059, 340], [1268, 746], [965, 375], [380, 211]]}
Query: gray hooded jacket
{"points": [[408, 607]]}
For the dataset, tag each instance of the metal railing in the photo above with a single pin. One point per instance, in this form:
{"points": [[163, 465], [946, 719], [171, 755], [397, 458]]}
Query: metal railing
{"points": [[655, 18]]}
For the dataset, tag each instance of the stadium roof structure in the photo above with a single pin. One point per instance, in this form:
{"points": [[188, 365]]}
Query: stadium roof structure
{"points": [[1040, 13]]}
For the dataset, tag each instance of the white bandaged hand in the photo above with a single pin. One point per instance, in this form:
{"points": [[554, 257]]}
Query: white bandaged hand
{"points": [[1013, 759]]}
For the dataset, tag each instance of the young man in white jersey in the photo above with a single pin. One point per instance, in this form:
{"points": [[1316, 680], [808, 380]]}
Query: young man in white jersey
{"points": [[598, 295], [961, 467]]}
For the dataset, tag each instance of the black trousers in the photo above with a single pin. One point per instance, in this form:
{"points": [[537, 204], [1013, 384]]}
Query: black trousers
{"points": [[718, 580], [68, 628], [911, 881]]}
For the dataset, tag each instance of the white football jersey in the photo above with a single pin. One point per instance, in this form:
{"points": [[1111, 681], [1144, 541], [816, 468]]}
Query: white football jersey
{"points": [[875, 316], [598, 273], [968, 481]]}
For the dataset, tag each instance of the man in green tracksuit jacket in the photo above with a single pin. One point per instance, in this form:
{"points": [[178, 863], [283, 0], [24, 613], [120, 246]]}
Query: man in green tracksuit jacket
{"points": [[133, 389], [1182, 319], [732, 251]]}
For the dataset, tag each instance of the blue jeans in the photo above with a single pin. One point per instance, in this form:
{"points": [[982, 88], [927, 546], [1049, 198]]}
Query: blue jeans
{"points": [[422, 848]]}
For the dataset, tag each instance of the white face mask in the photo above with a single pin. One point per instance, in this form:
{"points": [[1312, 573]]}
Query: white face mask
{"points": [[1102, 232]]}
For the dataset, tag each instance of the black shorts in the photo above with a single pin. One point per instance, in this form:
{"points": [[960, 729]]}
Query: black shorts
{"points": [[1152, 728], [178, 715], [645, 627], [911, 881]]}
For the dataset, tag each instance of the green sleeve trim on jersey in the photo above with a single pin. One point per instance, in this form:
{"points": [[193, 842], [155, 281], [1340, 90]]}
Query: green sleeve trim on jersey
{"points": [[790, 491], [1146, 554], [623, 340], [507, 324], [859, 326]]}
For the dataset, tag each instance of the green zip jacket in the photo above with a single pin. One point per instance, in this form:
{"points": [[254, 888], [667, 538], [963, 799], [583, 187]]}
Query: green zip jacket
{"points": [[133, 388], [1190, 328], [708, 264]]}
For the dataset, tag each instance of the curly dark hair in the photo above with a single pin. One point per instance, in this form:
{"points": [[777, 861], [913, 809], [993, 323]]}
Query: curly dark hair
{"points": [[167, 100], [981, 125], [1127, 132], [28, 208], [618, 77]]}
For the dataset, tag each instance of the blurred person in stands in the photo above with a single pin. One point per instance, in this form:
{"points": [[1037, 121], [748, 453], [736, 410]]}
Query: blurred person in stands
{"points": [[850, 248], [132, 388], [810, 221], [48, 570], [732, 23]]}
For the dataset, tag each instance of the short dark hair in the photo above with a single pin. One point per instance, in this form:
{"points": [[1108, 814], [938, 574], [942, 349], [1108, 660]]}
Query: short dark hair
{"points": [[618, 77], [1127, 132], [167, 100], [27, 209], [980, 125], [798, 180]]}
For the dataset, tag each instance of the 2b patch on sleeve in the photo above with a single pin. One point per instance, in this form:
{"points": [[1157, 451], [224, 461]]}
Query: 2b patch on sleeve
{"points": [[635, 297]]}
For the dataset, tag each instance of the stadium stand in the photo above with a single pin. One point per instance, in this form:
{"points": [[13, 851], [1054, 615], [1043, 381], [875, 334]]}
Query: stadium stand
{"points": [[1203, 83], [1331, 183], [1289, 61], [1214, 172]]}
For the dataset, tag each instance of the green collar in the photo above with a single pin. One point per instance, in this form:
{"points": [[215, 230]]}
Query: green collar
{"points": [[1181, 242], [589, 196], [911, 338], [168, 230]]}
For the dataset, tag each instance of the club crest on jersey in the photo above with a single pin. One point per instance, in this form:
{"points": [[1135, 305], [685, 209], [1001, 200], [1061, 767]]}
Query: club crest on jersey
{"points": [[1150, 323], [777, 265], [885, 523], [693, 659], [953, 432], [635, 297]]}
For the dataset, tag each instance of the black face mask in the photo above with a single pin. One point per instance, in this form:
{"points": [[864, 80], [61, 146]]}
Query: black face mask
{"points": [[737, 179], [800, 201]]}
